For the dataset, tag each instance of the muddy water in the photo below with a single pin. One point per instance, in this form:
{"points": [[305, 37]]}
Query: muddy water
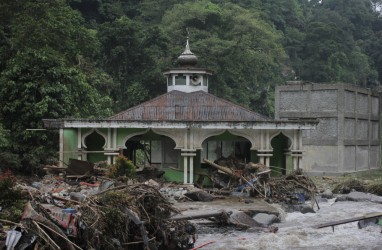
{"points": [[296, 232]]}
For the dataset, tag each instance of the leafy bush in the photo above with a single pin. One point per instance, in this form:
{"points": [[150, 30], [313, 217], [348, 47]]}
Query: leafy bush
{"points": [[11, 198], [122, 167], [9, 161]]}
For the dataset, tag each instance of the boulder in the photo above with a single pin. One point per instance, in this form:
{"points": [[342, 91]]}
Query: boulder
{"points": [[199, 196], [266, 220], [327, 194], [243, 220], [360, 196], [303, 208]]}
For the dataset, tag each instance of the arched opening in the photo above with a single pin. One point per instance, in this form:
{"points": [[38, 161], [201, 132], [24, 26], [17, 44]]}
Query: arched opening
{"points": [[280, 160], [226, 150], [94, 145], [153, 150], [226, 145]]}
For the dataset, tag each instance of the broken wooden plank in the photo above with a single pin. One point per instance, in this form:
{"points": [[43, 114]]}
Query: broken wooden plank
{"points": [[339, 222]]}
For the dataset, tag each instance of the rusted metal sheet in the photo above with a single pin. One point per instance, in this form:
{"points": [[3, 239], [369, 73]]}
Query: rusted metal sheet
{"points": [[194, 106]]}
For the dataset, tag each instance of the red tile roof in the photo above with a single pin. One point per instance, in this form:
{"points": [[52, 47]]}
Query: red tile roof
{"points": [[194, 106]]}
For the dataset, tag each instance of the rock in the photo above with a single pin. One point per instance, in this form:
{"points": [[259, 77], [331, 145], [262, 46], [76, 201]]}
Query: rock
{"points": [[266, 220], [360, 196], [306, 209], [243, 220], [367, 222], [77, 196], [303, 208], [341, 198], [199, 196], [327, 194]]}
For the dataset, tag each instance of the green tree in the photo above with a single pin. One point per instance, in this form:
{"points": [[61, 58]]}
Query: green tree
{"points": [[330, 53], [133, 56], [244, 52], [45, 76]]}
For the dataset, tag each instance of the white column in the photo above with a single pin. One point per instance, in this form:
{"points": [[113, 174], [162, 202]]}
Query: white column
{"points": [[185, 159], [295, 143], [264, 152], [108, 145], [185, 169], [79, 143], [191, 147], [262, 146], [61, 153], [191, 169], [114, 144], [297, 150]]}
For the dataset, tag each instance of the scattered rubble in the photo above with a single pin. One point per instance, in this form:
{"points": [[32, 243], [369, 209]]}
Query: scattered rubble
{"points": [[79, 207]]}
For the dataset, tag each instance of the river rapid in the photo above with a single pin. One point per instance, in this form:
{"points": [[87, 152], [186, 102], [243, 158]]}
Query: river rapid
{"points": [[296, 232]]}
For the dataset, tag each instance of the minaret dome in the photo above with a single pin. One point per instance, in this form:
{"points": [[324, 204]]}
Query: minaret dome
{"points": [[187, 77]]}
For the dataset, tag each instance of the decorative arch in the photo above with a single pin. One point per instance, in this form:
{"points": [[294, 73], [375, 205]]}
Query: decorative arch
{"points": [[288, 134], [129, 136], [91, 132], [200, 135], [250, 135], [177, 135]]}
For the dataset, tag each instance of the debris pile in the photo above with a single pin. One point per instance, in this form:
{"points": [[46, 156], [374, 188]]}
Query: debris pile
{"points": [[255, 178], [136, 216], [347, 186], [95, 213], [80, 208]]}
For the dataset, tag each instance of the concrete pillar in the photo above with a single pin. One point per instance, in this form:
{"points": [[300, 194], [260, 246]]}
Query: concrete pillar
{"points": [[79, 144], [185, 169], [297, 150], [61, 153], [108, 145], [265, 151]]}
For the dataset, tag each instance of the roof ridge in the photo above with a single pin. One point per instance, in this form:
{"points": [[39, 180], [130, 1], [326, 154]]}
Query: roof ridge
{"points": [[237, 105], [141, 104]]}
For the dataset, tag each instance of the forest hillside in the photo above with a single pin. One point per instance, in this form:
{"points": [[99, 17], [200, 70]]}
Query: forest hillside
{"points": [[92, 58]]}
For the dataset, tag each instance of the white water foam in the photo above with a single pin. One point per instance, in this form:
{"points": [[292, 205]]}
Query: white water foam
{"points": [[296, 232]]}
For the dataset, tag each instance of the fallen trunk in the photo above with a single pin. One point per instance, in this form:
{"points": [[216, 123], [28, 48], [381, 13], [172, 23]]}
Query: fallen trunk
{"points": [[221, 214]]}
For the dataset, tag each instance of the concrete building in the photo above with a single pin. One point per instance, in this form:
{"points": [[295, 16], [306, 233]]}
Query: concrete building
{"points": [[176, 130], [347, 138]]}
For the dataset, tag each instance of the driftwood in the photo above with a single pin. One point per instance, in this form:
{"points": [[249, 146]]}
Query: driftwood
{"points": [[226, 170], [221, 214], [339, 222]]}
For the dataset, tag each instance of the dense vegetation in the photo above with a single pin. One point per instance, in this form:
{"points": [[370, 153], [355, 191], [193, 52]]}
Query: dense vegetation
{"points": [[90, 58]]}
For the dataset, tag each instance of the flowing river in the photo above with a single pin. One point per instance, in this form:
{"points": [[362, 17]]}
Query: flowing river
{"points": [[296, 232]]}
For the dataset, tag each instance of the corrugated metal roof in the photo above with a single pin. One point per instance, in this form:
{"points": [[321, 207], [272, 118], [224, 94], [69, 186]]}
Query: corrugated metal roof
{"points": [[194, 106]]}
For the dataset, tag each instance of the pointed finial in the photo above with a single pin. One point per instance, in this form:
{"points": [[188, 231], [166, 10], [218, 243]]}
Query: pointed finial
{"points": [[187, 57], [187, 50]]}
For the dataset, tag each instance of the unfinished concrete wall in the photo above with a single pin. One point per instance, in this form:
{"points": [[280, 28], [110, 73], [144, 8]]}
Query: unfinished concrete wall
{"points": [[347, 138]]}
